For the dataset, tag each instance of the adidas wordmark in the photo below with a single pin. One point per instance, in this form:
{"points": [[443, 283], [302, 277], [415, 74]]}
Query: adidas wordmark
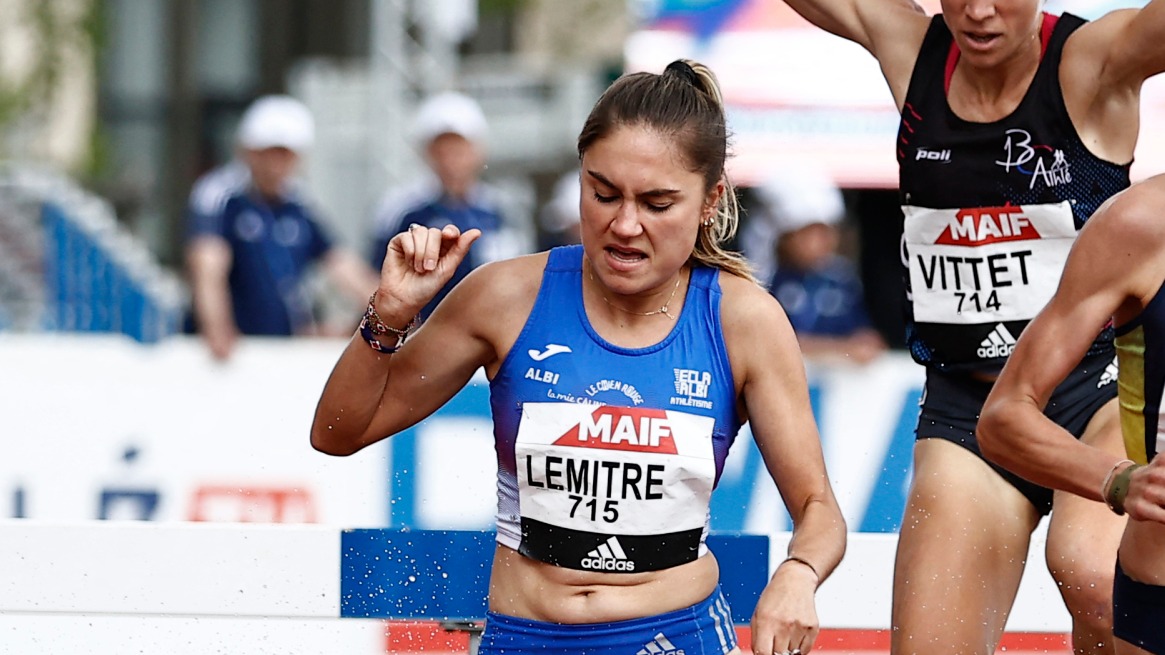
{"points": [[609, 556], [999, 343]]}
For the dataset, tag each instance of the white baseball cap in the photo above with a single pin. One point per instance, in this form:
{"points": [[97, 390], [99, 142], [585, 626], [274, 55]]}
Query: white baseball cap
{"points": [[796, 198], [449, 113], [277, 122], [562, 212]]}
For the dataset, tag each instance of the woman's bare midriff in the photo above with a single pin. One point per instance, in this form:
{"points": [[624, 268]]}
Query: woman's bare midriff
{"points": [[526, 588], [984, 376]]}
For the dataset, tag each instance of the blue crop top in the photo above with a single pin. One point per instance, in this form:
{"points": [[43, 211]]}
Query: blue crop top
{"points": [[607, 456]]}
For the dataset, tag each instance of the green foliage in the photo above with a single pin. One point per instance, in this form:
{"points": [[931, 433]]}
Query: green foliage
{"points": [[61, 36], [488, 7]]}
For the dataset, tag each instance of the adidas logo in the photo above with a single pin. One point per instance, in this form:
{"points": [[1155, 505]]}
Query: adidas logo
{"points": [[999, 343], [659, 645], [609, 556], [1109, 376]]}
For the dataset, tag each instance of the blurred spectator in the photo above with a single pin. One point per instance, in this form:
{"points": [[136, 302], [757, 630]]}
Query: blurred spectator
{"points": [[251, 239], [559, 219], [450, 132], [819, 289]]}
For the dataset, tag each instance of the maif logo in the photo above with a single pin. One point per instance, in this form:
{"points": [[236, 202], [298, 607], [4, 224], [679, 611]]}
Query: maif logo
{"points": [[983, 225], [622, 428]]}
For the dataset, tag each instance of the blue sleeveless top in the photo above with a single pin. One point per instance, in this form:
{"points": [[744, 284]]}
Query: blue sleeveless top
{"points": [[607, 456]]}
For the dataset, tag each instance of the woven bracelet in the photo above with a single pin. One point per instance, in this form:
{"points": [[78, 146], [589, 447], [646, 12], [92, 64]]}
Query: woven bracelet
{"points": [[373, 330]]}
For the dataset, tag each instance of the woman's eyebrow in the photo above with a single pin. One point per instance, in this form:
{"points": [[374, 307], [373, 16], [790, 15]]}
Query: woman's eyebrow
{"points": [[652, 193]]}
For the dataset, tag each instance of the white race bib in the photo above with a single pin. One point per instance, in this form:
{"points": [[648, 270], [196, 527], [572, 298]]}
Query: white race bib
{"points": [[985, 264], [614, 470]]}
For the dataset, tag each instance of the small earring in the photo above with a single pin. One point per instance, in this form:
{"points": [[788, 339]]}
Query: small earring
{"points": [[710, 221]]}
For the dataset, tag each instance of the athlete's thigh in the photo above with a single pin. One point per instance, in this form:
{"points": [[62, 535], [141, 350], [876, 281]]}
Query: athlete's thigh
{"points": [[961, 553], [1083, 535]]}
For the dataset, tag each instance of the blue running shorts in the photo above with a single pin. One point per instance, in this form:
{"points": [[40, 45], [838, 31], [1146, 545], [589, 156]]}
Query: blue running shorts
{"points": [[702, 629]]}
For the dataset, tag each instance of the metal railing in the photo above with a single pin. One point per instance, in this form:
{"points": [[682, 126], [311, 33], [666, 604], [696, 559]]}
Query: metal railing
{"points": [[66, 264]]}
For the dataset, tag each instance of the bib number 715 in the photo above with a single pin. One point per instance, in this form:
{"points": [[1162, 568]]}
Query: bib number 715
{"points": [[590, 509]]}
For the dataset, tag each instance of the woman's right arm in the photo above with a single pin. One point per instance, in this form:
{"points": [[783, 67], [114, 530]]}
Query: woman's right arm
{"points": [[773, 389], [891, 30], [371, 395]]}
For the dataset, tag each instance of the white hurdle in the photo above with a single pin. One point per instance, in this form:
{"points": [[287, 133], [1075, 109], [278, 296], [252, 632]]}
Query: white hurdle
{"points": [[119, 587]]}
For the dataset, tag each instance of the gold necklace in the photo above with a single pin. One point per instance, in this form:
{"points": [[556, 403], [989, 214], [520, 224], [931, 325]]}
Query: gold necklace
{"points": [[662, 310]]}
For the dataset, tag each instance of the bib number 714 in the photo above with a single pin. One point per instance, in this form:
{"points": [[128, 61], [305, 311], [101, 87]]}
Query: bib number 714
{"points": [[973, 301]]}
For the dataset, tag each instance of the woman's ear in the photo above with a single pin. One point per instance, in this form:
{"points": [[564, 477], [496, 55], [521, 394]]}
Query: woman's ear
{"points": [[712, 203]]}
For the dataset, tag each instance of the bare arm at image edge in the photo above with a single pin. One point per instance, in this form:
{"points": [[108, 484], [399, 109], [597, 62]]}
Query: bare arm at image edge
{"points": [[1113, 260]]}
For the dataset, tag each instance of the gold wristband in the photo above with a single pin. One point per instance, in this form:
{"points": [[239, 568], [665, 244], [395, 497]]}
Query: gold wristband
{"points": [[1108, 479], [1118, 489]]}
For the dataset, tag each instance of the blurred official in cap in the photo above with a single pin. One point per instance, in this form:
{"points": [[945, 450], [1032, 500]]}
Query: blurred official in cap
{"points": [[274, 133], [253, 241], [450, 132], [804, 208], [817, 286]]}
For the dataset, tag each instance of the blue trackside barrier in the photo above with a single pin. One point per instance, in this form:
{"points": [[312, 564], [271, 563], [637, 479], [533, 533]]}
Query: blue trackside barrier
{"points": [[97, 281], [444, 574], [68, 265]]}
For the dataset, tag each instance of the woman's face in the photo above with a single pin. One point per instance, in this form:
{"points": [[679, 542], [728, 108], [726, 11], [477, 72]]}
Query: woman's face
{"points": [[641, 209], [991, 32]]}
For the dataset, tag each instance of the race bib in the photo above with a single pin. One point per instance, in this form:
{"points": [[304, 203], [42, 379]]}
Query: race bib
{"points": [[613, 488], [985, 264]]}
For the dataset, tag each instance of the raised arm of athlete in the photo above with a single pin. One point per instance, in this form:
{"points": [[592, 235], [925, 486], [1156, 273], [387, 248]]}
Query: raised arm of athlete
{"points": [[891, 30], [370, 395], [1105, 63]]}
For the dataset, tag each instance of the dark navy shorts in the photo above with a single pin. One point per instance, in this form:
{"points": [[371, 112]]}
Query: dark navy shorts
{"points": [[1138, 613], [951, 403], [702, 629]]}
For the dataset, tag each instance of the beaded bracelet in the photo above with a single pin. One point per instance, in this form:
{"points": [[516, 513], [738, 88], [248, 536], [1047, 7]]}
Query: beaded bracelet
{"points": [[373, 330]]}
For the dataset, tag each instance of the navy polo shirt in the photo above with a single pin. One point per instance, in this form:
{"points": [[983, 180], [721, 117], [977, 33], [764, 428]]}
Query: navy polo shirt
{"points": [[272, 245], [827, 301]]}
